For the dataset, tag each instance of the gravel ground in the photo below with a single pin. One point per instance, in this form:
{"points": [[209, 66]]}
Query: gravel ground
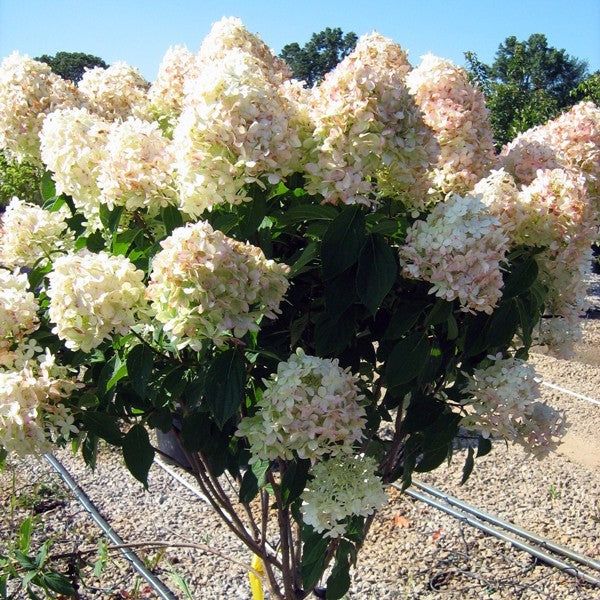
{"points": [[414, 551]]}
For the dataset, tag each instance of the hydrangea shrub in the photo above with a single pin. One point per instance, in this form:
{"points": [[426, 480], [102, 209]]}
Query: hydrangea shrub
{"points": [[322, 287]]}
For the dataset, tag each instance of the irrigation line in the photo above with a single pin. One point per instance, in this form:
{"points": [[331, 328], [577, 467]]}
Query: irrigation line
{"points": [[181, 480], [571, 393], [161, 589], [475, 522], [532, 537]]}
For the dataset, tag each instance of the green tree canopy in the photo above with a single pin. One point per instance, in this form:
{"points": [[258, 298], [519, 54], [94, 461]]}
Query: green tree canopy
{"points": [[528, 83], [320, 55], [588, 89], [72, 65]]}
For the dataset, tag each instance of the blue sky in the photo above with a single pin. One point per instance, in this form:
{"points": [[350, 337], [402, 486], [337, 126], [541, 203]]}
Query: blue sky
{"points": [[139, 32]]}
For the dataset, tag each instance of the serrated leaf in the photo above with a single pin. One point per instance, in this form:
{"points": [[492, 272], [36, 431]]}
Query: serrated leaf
{"points": [[138, 453], [253, 213], [401, 322], [47, 187], [314, 552], [25, 531], [110, 218], [521, 278], [225, 383], [440, 313], [308, 212], [308, 254], [338, 583], [140, 360], [342, 241], [58, 583], [294, 480], [376, 274]]}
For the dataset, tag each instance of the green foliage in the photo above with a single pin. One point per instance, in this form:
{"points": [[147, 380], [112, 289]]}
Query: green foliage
{"points": [[71, 65], [18, 179], [311, 62], [528, 83], [587, 90]]}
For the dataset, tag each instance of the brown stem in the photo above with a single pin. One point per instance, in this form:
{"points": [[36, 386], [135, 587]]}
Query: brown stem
{"points": [[138, 219]]}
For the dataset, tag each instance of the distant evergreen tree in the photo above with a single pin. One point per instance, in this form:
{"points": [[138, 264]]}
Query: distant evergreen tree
{"points": [[72, 65]]}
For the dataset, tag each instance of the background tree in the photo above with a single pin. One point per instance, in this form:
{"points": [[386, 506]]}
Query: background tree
{"points": [[320, 55], [528, 83], [72, 65], [588, 89], [21, 180]]}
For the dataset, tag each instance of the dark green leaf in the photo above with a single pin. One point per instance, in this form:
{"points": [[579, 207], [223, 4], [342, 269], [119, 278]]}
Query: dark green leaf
{"points": [[172, 218], [195, 429], [503, 324], [47, 187], [225, 382], [468, 468], [162, 419], [58, 583], [333, 333], [308, 212], [104, 426], [403, 320], [249, 487], [95, 242], [314, 552], [294, 480], [224, 222], [139, 368], [138, 453], [308, 255], [452, 327], [89, 450], [377, 270], [110, 218], [343, 241], [338, 583], [297, 329], [407, 359], [521, 278], [25, 535], [484, 446], [440, 312], [253, 213]]}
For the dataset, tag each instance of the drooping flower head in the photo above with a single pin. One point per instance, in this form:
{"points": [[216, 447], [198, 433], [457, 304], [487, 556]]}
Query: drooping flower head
{"points": [[341, 487], [32, 413], [30, 235], [235, 128], [73, 144], [368, 129], [137, 167], [28, 92], [94, 296], [206, 286], [114, 93], [458, 249], [502, 402], [18, 309], [455, 110], [311, 407]]}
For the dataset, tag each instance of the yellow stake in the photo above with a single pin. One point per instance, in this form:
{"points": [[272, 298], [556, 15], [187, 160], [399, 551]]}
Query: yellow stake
{"points": [[255, 582]]}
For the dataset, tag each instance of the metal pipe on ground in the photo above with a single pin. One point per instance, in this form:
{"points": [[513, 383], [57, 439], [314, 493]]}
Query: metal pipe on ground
{"points": [[474, 522], [161, 589]]}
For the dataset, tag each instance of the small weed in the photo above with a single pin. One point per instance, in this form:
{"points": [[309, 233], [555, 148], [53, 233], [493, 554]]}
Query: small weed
{"points": [[553, 492]]}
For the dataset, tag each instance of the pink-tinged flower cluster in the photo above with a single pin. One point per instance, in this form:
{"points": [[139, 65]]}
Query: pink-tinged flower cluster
{"points": [[230, 34], [310, 407], [73, 145], [137, 167], [206, 286], [458, 249], [502, 403], [30, 235], [369, 137], [18, 309], [456, 112], [235, 129], [571, 141], [166, 94], [93, 297], [28, 92], [340, 488], [559, 335], [115, 93], [32, 413]]}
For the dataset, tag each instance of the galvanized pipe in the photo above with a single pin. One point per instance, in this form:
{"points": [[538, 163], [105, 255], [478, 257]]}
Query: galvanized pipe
{"points": [[161, 589], [474, 522], [544, 543]]}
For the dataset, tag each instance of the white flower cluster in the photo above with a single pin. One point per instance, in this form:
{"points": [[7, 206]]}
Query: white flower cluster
{"points": [[341, 487], [114, 93], [458, 249], [137, 169], [369, 137], [503, 403], [93, 296], [204, 285], [28, 92], [311, 407], [30, 235], [73, 145], [31, 412], [457, 113], [18, 309], [234, 129]]}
